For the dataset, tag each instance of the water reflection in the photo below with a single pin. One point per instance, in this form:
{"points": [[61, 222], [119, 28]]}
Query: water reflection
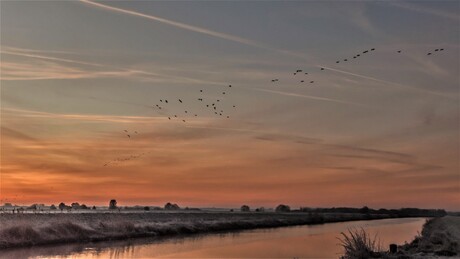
{"points": [[318, 241]]}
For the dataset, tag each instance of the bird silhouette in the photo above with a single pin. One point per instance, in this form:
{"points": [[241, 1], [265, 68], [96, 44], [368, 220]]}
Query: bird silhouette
{"points": [[166, 101], [229, 85], [302, 81], [306, 73], [311, 82], [223, 92], [441, 49], [372, 49], [128, 136], [180, 100], [337, 62], [345, 60], [169, 118], [399, 51], [322, 68], [429, 53], [201, 91]]}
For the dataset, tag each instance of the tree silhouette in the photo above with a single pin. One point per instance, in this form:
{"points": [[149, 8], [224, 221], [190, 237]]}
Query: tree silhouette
{"points": [[245, 208], [113, 204], [62, 206], [282, 208]]}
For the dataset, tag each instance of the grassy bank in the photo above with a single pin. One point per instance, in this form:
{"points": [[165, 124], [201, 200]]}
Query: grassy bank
{"points": [[439, 237], [18, 230]]}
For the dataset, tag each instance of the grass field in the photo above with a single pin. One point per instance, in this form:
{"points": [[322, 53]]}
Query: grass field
{"points": [[38, 229]]}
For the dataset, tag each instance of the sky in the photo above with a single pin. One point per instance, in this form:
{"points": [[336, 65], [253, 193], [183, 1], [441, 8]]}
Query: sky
{"points": [[382, 129]]}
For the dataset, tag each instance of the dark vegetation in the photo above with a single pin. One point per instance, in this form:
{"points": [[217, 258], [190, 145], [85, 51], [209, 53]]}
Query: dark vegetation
{"points": [[397, 213]]}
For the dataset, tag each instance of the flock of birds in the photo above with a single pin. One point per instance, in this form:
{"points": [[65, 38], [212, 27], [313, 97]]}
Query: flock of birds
{"points": [[214, 105], [355, 56]]}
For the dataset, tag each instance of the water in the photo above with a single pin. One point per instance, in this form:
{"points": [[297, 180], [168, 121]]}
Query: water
{"points": [[317, 241]]}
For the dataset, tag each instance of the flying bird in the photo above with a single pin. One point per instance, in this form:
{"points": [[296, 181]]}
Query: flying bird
{"points": [[337, 62], [372, 49], [180, 100], [429, 53], [229, 85], [399, 51], [322, 68], [311, 82]]}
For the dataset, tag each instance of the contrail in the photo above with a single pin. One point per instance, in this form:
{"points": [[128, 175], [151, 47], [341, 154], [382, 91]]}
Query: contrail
{"points": [[387, 82], [196, 29], [177, 24], [317, 98]]}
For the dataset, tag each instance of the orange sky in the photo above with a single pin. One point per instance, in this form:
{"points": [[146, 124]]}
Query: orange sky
{"points": [[380, 130]]}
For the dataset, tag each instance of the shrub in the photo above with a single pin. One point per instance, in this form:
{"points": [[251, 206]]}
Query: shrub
{"points": [[282, 208], [357, 243]]}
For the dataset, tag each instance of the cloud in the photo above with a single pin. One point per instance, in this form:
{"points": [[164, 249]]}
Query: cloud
{"points": [[85, 117], [316, 98], [27, 71], [416, 8], [391, 83]]}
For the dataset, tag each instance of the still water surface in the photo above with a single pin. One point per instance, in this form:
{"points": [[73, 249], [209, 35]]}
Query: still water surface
{"points": [[317, 241]]}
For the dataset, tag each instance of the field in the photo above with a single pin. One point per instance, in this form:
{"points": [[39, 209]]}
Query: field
{"points": [[38, 229]]}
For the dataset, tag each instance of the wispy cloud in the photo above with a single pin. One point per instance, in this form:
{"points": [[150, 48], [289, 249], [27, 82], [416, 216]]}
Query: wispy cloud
{"points": [[20, 71], [390, 83], [316, 98], [417, 8], [85, 117]]}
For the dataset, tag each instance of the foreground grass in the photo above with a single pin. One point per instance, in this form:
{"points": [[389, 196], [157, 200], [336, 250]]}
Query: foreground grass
{"points": [[18, 230], [439, 237]]}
